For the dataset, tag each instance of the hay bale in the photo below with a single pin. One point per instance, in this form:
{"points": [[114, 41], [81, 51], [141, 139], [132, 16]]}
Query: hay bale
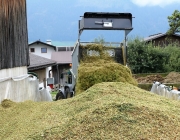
{"points": [[102, 71]]}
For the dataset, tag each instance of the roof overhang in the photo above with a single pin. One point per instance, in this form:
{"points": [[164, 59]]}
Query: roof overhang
{"points": [[30, 68], [39, 42]]}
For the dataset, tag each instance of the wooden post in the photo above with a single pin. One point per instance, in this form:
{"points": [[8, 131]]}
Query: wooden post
{"points": [[13, 34]]}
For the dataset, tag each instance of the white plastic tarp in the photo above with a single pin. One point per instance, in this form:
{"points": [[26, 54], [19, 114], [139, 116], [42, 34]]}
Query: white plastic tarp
{"points": [[164, 90], [22, 88], [154, 87]]}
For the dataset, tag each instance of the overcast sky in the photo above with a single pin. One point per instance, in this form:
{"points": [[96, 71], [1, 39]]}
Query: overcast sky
{"points": [[58, 19]]}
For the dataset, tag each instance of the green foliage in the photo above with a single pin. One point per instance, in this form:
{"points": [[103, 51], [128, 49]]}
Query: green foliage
{"points": [[100, 40], [174, 23], [174, 58], [144, 58]]}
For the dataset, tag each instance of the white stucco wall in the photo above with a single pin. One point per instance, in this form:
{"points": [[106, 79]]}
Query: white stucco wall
{"points": [[38, 47]]}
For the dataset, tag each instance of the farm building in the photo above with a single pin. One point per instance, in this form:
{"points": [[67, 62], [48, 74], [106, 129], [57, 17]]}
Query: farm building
{"points": [[57, 51], [42, 51], [64, 61], [162, 39], [40, 66]]}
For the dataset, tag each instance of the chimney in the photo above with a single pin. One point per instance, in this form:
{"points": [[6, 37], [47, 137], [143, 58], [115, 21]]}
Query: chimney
{"points": [[48, 42]]}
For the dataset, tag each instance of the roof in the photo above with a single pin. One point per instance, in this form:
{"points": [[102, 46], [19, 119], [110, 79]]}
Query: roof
{"points": [[64, 43], [38, 62], [39, 42], [158, 35], [63, 57]]}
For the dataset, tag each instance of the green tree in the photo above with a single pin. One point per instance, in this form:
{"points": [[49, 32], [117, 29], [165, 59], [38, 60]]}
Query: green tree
{"points": [[174, 23]]}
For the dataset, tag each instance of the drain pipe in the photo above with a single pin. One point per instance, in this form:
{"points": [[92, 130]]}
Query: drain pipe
{"points": [[57, 75]]}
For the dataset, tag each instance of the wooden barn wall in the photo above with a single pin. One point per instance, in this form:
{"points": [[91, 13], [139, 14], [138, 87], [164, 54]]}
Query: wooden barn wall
{"points": [[13, 34], [162, 41]]}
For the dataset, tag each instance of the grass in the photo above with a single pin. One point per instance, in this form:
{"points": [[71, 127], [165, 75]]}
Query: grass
{"points": [[145, 86], [109, 110], [147, 74], [53, 94]]}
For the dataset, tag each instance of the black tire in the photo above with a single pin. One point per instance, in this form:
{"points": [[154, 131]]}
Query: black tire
{"points": [[73, 94], [68, 93], [59, 96]]}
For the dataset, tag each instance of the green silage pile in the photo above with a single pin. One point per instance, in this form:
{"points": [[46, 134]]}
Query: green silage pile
{"points": [[7, 103], [102, 68], [106, 111]]}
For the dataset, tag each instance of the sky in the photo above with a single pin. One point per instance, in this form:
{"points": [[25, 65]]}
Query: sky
{"points": [[57, 20]]}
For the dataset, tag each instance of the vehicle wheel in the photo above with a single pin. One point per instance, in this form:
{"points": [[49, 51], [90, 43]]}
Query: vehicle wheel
{"points": [[59, 96], [68, 93], [73, 94]]}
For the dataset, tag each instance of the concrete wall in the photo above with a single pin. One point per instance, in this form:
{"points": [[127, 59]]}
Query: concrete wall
{"points": [[13, 72], [16, 85]]}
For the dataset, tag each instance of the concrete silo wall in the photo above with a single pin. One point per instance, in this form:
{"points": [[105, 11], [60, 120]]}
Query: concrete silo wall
{"points": [[18, 86], [15, 83]]}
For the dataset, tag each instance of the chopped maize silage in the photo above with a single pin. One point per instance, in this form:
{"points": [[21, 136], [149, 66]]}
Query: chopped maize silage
{"points": [[108, 110], [7, 103], [98, 51], [100, 68]]}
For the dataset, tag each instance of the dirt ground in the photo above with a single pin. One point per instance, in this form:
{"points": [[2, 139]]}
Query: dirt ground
{"points": [[172, 77]]}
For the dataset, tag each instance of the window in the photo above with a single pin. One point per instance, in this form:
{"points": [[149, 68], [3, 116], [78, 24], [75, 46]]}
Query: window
{"points": [[32, 50], [43, 50]]}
